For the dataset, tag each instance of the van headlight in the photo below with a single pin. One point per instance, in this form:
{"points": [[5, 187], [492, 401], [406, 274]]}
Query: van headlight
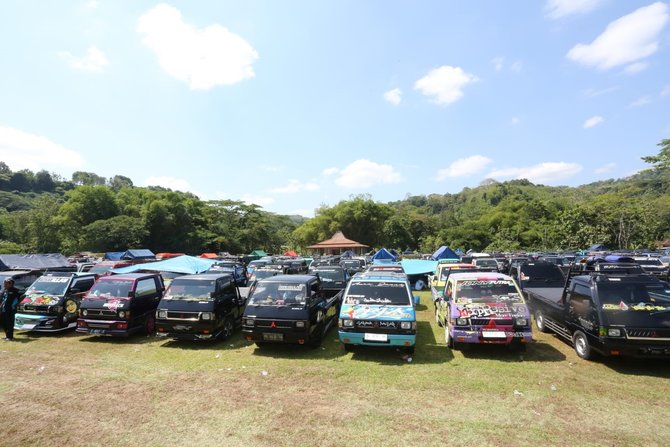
{"points": [[84, 312], [462, 322], [405, 325], [207, 316], [614, 332], [521, 321], [300, 324], [162, 314], [122, 314], [347, 323], [249, 321]]}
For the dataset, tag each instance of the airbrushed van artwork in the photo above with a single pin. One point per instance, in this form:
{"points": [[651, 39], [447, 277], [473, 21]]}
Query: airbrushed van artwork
{"points": [[486, 308]]}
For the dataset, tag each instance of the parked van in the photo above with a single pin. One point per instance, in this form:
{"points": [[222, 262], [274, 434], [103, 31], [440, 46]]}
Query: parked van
{"points": [[51, 302], [483, 307], [378, 310], [121, 305], [200, 307]]}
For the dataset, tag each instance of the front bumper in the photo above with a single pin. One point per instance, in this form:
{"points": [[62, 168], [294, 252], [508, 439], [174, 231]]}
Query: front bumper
{"points": [[41, 323], [499, 336], [632, 348], [276, 335], [185, 330], [368, 339], [117, 328]]}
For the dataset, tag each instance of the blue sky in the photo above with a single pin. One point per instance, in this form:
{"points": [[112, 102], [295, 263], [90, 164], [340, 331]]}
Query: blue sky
{"points": [[294, 104]]}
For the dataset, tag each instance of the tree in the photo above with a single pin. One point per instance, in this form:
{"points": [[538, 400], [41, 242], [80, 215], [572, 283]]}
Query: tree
{"points": [[114, 234], [44, 182], [661, 161], [82, 178], [119, 181], [21, 180]]}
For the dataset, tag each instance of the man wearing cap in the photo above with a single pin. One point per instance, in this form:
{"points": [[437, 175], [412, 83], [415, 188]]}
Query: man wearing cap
{"points": [[10, 299]]}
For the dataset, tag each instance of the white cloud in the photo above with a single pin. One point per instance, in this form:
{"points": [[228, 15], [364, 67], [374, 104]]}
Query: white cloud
{"points": [[296, 186], [592, 93], [464, 167], [94, 61], [556, 9], [393, 96], [365, 173], [548, 172], [641, 101], [666, 90], [593, 121], [626, 40], [21, 150], [637, 67], [330, 171], [498, 63], [605, 168], [515, 120], [444, 84], [203, 58], [175, 184]]}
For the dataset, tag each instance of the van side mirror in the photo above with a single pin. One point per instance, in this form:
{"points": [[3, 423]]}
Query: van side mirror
{"points": [[131, 294]]}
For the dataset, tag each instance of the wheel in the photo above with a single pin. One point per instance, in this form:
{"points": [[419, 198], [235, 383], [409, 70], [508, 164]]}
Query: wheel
{"points": [[437, 318], [150, 324], [539, 322], [447, 337], [228, 328], [348, 347], [582, 347]]}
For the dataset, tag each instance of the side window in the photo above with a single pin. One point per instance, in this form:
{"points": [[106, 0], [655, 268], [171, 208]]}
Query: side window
{"points": [[83, 284], [226, 288], [314, 288], [580, 301], [145, 287], [449, 291]]}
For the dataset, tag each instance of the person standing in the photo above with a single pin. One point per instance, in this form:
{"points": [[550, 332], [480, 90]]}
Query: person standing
{"points": [[10, 300]]}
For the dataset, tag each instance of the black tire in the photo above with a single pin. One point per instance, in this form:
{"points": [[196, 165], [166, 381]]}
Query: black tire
{"points": [[437, 318], [539, 322], [582, 346], [227, 328], [150, 324], [260, 344], [348, 347], [447, 338]]}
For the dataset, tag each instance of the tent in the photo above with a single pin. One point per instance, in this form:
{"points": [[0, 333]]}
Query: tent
{"points": [[209, 255], [259, 253], [181, 264], [348, 254], [113, 256], [445, 252], [137, 254], [162, 256], [383, 255], [41, 261], [290, 253], [597, 247]]}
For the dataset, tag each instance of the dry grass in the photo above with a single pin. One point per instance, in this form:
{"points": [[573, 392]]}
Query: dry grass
{"points": [[71, 390]]}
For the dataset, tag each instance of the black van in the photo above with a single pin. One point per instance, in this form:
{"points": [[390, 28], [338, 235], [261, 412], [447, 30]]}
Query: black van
{"points": [[200, 307], [121, 305]]}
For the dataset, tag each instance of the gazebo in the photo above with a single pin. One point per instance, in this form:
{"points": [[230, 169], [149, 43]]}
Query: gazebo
{"points": [[337, 244]]}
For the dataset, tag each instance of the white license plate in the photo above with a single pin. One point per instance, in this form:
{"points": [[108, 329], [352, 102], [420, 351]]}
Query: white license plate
{"points": [[28, 327], [271, 336], [375, 337], [494, 334]]}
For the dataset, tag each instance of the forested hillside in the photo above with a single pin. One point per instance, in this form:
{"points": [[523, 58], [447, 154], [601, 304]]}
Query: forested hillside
{"points": [[42, 212]]}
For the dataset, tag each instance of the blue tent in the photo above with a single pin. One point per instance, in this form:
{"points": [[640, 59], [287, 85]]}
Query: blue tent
{"points": [[181, 264], [383, 255], [113, 256], [141, 253], [445, 252]]}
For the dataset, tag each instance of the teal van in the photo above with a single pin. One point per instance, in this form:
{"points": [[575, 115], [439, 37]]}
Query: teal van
{"points": [[378, 310]]}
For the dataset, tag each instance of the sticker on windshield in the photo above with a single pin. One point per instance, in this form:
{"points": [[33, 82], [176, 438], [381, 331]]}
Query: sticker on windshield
{"points": [[485, 283], [298, 288], [54, 279]]}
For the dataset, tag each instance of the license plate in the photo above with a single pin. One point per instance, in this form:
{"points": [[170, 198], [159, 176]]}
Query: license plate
{"points": [[375, 337], [28, 327], [494, 334], [271, 336], [96, 331]]}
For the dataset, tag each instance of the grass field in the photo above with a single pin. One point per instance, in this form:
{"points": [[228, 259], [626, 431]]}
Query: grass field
{"points": [[67, 389]]}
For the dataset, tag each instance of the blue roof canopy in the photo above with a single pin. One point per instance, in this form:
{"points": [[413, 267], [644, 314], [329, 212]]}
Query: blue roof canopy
{"points": [[383, 255], [140, 253], [444, 252], [181, 264], [113, 256]]}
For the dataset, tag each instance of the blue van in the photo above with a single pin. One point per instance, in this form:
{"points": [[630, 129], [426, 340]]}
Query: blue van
{"points": [[378, 310]]}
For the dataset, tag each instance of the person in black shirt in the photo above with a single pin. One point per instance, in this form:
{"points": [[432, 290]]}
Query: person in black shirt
{"points": [[10, 299]]}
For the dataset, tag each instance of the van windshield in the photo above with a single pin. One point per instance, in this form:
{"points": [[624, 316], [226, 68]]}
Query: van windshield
{"points": [[115, 288], [49, 285], [655, 296], [186, 290], [378, 293], [278, 294], [487, 291]]}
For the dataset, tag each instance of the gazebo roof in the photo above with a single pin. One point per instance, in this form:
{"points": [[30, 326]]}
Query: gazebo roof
{"points": [[338, 241]]}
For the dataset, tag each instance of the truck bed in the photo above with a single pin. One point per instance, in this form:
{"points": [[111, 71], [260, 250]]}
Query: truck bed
{"points": [[550, 295]]}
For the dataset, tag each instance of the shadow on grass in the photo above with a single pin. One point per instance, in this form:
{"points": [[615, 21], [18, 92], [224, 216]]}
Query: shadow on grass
{"points": [[26, 337], [330, 349], [235, 341], [652, 367], [135, 339], [537, 351]]}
